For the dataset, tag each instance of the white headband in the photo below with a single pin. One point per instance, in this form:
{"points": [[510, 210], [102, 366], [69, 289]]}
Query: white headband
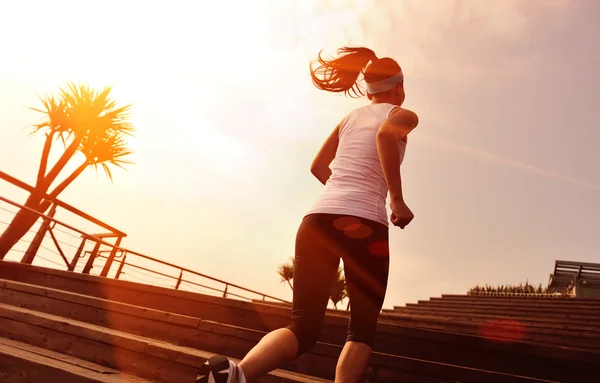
{"points": [[385, 85]]}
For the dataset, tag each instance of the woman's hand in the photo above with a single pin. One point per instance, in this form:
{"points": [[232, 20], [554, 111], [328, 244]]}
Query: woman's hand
{"points": [[401, 214]]}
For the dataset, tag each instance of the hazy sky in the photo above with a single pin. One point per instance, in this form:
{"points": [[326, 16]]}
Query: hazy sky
{"points": [[502, 172]]}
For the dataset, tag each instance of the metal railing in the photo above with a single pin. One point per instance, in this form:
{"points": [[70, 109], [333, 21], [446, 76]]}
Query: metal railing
{"points": [[113, 254], [565, 293]]}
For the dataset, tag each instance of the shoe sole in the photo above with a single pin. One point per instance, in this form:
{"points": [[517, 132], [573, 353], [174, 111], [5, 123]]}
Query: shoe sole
{"points": [[215, 366]]}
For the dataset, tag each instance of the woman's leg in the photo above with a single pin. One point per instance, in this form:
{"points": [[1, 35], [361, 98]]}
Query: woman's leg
{"points": [[366, 267], [352, 362], [315, 266], [273, 350]]}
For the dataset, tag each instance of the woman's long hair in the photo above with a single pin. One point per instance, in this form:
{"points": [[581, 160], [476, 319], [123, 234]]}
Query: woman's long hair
{"points": [[340, 74]]}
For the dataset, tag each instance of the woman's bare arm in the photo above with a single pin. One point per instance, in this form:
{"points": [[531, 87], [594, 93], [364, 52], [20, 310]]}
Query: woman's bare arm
{"points": [[396, 127], [320, 165]]}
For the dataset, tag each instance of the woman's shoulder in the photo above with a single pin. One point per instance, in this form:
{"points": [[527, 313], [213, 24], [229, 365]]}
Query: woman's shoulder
{"points": [[398, 109], [403, 115]]}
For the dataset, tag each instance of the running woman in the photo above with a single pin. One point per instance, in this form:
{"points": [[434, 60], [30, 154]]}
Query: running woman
{"points": [[359, 164]]}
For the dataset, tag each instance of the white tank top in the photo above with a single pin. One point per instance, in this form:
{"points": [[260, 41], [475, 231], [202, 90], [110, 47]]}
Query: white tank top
{"points": [[357, 185]]}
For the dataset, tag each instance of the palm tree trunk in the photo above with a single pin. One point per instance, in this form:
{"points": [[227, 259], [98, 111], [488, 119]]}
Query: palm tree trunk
{"points": [[290, 283], [25, 219], [46, 203], [20, 225], [60, 164], [44, 159], [67, 181]]}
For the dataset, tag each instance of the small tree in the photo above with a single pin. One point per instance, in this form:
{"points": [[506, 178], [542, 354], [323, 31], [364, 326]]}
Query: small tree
{"points": [[338, 290], [85, 121], [337, 293], [521, 288], [286, 272]]}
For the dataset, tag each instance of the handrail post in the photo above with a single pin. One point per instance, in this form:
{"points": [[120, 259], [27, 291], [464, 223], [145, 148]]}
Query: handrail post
{"points": [[58, 248], [90, 262], [77, 255], [111, 258], [120, 270], [34, 246], [225, 292], [179, 280]]}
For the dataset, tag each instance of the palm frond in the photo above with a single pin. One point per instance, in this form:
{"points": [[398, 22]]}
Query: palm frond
{"points": [[86, 120], [286, 272], [92, 111], [108, 149], [338, 290], [93, 119], [55, 111]]}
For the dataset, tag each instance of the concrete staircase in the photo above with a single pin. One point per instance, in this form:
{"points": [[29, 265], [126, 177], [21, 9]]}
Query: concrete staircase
{"points": [[557, 321], [68, 327], [22, 362]]}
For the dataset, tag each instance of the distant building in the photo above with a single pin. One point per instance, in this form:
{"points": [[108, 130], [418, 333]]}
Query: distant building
{"points": [[583, 277]]}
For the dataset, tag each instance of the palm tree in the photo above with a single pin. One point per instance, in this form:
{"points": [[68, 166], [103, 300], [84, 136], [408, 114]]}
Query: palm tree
{"points": [[84, 120], [338, 290], [286, 272]]}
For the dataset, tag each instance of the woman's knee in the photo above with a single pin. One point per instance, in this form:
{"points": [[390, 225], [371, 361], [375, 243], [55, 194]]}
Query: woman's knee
{"points": [[307, 335], [363, 334]]}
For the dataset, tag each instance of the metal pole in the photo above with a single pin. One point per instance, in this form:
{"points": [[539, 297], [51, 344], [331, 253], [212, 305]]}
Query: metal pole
{"points": [[120, 270], [111, 258], [179, 280], [90, 262], [77, 255], [58, 246]]}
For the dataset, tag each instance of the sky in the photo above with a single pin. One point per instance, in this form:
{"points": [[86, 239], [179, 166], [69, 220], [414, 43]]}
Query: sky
{"points": [[502, 172]]}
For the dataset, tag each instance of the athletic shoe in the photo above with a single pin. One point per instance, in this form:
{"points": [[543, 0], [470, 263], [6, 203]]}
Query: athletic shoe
{"points": [[221, 370]]}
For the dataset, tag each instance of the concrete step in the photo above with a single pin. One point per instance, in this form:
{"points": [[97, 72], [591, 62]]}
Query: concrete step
{"points": [[592, 307], [24, 363], [145, 358], [195, 332], [557, 305], [522, 306], [555, 333], [590, 325], [533, 322], [573, 315], [479, 298], [551, 333], [500, 328], [503, 330]]}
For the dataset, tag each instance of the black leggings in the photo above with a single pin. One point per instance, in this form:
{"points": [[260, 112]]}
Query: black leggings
{"points": [[322, 240]]}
